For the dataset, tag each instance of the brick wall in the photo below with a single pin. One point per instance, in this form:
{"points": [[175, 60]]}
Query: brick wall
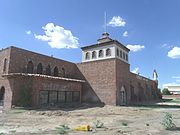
{"points": [[20, 58], [5, 54], [37, 84], [100, 83]]}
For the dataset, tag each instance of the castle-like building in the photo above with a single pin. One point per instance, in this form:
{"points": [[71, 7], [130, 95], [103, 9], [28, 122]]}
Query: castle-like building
{"points": [[103, 76]]}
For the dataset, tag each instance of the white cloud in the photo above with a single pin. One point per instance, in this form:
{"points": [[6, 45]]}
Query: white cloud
{"points": [[58, 37], [135, 48], [135, 71], [174, 53], [176, 77], [170, 84], [28, 32], [117, 21], [165, 45], [125, 34]]}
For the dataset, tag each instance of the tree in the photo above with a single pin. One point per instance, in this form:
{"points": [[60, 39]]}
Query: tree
{"points": [[165, 91]]}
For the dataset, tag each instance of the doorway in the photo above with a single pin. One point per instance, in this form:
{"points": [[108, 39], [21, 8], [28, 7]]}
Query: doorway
{"points": [[122, 96], [2, 92]]}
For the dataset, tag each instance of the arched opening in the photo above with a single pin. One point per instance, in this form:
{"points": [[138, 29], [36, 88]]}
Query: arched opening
{"points": [[87, 56], [94, 55], [30, 67], [48, 70], [5, 65], [117, 52], [2, 92], [120, 53], [101, 54], [108, 52], [122, 96], [39, 69], [126, 57], [63, 72], [56, 72]]}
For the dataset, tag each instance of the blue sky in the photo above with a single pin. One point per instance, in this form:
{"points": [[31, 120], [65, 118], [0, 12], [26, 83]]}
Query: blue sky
{"points": [[151, 28]]}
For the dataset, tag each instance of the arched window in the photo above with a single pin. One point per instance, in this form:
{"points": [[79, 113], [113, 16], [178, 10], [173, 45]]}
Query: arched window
{"points": [[126, 57], [108, 52], [5, 65], [48, 70], [30, 67], [94, 55], [56, 72], [63, 72], [39, 69], [87, 56], [120, 53], [117, 52], [101, 53], [2, 92]]}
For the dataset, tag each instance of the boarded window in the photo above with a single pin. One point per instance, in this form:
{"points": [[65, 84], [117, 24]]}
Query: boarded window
{"points": [[48, 70], [43, 97], [52, 97], [30, 67], [56, 72], [5, 65], [68, 96], [39, 69], [76, 96], [63, 72], [61, 97]]}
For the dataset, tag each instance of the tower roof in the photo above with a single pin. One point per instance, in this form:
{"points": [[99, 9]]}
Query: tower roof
{"points": [[105, 40]]}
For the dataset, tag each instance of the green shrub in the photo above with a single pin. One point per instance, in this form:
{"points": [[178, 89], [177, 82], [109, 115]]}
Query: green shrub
{"points": [[25, 97], [63, 129], [165, 91], [167, 122], [124, 124], [98, 124]]}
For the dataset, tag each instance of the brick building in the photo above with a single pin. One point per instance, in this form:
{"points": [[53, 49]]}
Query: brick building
{"points": [[29, 78]]}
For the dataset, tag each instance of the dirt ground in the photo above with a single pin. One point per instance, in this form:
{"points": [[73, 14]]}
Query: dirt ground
{"points": [[117, 120]]}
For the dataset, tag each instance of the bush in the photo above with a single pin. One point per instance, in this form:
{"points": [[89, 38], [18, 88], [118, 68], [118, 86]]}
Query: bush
{"points": [[98, 124], [168, 122], [165, 91], [25, 100]]}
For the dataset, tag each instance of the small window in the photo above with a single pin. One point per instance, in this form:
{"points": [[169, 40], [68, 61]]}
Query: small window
{"points": [[63, 72], [101, 54], [108, 52], [52, 97], [117, 52], [61, 97], [5, 65], [43, 97], [39, 69], [69, 96], [48, 70], [120, 53], [56, 72], [94, 55], [124, 55], [30, 67], [76, 96], [87, 56]]}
